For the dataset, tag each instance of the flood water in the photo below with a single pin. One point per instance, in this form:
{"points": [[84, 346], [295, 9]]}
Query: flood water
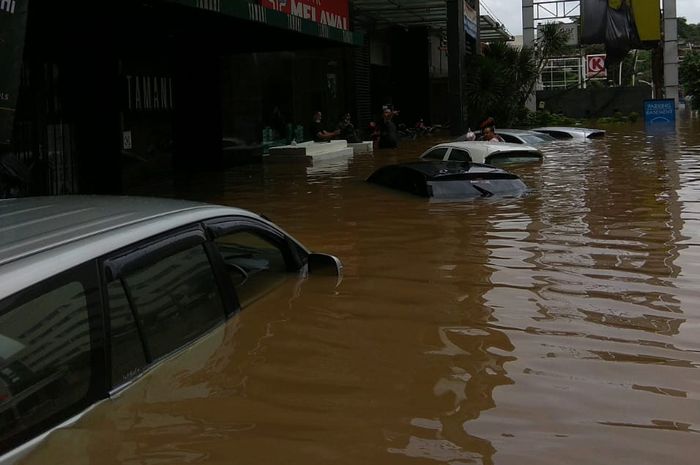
{"points": [[558, 328]]}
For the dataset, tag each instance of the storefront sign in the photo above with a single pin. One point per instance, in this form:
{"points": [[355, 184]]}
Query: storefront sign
{"points": [[148, 93], [332, 13], [470, 20], [13, 22], [595, 67]]}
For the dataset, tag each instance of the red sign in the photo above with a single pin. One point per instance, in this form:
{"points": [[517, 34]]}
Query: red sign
{"points": [[595, 66], [333, 13]]}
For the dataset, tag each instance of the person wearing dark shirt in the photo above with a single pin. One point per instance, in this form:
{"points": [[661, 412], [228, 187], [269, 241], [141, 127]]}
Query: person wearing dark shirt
{"points": [[388, 133], [318, 133], [347, 129]]}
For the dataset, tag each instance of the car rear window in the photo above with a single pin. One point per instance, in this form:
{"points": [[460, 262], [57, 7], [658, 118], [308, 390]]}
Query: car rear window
{"points": [[459, 155], [436, 154], [401, 178], [514, 155]]}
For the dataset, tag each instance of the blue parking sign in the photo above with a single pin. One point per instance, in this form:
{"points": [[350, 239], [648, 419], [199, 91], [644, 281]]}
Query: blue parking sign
{"points": [[660, 111]]}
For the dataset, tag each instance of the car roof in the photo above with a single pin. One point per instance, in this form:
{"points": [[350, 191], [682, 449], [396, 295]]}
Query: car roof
{"points": [[43, 236], [435, 169], [517, 132], [485, 147], [567, 129]]}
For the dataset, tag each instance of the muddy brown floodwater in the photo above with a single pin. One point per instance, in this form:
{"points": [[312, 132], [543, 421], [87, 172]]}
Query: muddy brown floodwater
{"points": [[558, 328]]}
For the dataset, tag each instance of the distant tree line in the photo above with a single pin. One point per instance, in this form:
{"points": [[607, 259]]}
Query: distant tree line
{"points": [[689, 32], [689, 71]]}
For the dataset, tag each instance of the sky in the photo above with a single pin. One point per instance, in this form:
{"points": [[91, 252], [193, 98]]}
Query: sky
{"points": [[509, 12]]}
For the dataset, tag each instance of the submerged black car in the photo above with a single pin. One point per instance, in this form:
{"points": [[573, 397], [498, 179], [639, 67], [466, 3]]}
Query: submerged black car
{"points": [[449, 180]]}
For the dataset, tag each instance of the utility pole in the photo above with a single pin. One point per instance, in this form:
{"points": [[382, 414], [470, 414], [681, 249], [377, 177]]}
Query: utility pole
{"points": [[670, 63]]}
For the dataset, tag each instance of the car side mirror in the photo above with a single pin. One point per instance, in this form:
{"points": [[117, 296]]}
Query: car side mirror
{"points": [[325, 265]]}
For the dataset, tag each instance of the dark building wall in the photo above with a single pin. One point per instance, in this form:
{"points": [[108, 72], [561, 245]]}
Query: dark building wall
{"points": [[439, 101], [410, 74], [400, 73], [67, 121], [594, 102], [197, 116]]}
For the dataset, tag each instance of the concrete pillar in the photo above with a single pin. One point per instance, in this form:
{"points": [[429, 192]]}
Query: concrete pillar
{"points": [[670, 50], [455, 63], [529, 41]]}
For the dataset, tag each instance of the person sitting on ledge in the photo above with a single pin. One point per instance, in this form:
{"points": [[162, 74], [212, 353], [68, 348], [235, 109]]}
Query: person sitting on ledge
{"points": [[318, 133]]}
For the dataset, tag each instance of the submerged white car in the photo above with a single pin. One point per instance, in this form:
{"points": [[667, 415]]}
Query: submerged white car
{"points": [[564, 132], [98, 291], [518, 136], [482, 152]]}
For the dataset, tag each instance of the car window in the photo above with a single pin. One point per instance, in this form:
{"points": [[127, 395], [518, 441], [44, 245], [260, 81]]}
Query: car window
{"points": [[46, 364], [459, 155], [510, 138], [436, 154], [538, 139], [255, 263], [167, 303]]}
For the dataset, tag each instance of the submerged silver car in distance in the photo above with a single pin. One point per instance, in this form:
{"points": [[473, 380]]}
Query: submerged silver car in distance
{"points": [[517, 136], [566, 132]]}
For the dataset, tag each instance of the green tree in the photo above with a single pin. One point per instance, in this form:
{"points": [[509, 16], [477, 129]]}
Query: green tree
{"points": [[499, 82], [689, 32], [689, 74]]}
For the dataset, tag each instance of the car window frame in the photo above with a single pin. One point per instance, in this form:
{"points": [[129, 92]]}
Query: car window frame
{"points": [[444, 157], [87, 274], [148, 251], [295, 256]]}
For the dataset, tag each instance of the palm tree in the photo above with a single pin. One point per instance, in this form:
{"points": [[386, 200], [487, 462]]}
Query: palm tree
{"points": [[499, 82]]}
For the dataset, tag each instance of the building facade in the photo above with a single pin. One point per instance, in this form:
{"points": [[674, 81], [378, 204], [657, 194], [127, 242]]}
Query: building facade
{"points": [[160, 87]]}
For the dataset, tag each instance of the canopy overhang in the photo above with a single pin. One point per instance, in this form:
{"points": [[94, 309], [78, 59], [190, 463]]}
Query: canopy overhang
{"points": [[423, 13]]}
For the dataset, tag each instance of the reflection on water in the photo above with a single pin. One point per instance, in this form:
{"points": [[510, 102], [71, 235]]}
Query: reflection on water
{"points": [[561, 327]]}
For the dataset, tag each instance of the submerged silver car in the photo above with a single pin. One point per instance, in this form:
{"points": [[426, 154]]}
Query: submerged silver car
{"points": [[518, 136], [566, 132], [96, 291]]}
